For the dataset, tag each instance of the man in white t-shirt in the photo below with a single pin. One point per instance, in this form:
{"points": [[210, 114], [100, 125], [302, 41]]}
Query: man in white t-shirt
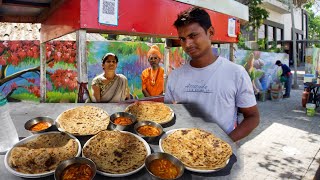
{"points": [[211, 83]]}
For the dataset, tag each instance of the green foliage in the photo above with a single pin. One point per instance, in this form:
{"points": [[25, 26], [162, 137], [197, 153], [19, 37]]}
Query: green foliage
{"points": [[56, 97], [261, 44], [314, 22], [25, 96], [123, 48], [257, 14], [274, 48], [241, 43], [133, 38], [63, 65]]}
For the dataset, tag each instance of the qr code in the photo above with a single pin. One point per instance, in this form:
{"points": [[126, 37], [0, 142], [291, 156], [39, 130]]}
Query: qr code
{"points": [[231, 30], [108, 7]]}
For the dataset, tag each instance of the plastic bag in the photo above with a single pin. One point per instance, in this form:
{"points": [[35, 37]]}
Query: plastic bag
{"points": [[283, 79]]}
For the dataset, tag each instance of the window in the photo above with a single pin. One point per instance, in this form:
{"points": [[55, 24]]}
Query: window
{"points": [[270, 33], [305, 24], [261, 32], [279, 37]]}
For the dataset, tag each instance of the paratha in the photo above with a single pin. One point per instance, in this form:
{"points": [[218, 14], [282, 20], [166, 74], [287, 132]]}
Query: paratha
{"points": [[151, 111], [116, 152], [43, 153], [197, 149], [83, 120]]}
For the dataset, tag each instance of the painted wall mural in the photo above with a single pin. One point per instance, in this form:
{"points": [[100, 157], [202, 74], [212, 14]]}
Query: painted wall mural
{"points": [[177, 57], [20, 66], [20, 76], [262, 68], [132, 61], [61, 71], [312, 64]]}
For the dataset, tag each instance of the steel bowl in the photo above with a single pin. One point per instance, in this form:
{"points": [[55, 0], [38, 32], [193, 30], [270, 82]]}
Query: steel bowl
{"points": [[118, 126], [36, 120], [161, 155], [76, 160], [150, 123]]}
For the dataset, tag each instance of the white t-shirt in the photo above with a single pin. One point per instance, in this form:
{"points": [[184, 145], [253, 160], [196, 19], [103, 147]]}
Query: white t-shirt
{"points": [[218, 89]]}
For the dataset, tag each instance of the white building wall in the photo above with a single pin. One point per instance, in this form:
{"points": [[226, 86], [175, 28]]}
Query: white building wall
{"points": [[288, 23], [275, 16], [285, 19]]}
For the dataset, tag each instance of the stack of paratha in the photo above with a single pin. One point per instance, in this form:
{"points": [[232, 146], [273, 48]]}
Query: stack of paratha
{"points": [[42, 154], [116, 152], [151, 111], [197, 149], [83, 120]]}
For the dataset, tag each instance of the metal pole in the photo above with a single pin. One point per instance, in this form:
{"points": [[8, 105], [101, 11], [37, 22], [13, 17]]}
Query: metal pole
{"points": [[82, 63], [294, 48], [166, 62], [43, 87], [231, 51]]}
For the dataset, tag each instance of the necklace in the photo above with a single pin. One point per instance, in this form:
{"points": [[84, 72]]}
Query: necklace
{"points": [[108, 78], [153, 78]]}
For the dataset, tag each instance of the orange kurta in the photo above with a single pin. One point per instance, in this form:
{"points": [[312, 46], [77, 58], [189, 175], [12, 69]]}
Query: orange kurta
{"points": [[146, 77]]}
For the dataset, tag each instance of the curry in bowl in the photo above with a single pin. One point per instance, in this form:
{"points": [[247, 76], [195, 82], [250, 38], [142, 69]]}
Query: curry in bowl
{"points": [[148, 130], [164, 166], [77, 171], [122, 121], [78, 168], [38, 124]]}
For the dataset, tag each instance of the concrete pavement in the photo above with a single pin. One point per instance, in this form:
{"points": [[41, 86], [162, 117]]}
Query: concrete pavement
{"points": [[285, 145]]}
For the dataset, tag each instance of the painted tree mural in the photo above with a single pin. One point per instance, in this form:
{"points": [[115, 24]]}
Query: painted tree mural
{"points": [[20, 66], [63, 71]]}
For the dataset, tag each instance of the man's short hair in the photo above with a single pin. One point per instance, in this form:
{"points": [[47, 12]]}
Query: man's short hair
{"points": [[278, 62], [193, 15]]}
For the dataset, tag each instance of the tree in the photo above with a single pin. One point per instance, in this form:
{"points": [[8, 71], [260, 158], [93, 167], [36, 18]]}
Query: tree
{"points": [[24, 53], [314, 22], [257, 14], [297, 3]]}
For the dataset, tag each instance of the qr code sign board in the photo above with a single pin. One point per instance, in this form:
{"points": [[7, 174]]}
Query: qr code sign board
{"points": [[108, 7], [108, 12], [232, 27]]}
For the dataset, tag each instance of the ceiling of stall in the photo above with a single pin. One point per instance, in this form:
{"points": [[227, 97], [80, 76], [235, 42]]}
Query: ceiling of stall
{"points": [[27, 11]]}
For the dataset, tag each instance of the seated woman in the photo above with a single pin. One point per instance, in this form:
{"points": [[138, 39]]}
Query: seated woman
{"points": [[109, 86], [152, 77]]}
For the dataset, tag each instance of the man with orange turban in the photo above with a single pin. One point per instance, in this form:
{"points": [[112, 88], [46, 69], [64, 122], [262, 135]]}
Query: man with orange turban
{"points": [[152, 77]]}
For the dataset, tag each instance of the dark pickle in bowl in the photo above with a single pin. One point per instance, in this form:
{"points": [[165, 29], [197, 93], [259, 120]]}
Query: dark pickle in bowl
{"points": [[77, 171], [163, 168]]}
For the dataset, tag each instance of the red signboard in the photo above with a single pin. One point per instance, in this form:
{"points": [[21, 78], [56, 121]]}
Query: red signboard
{"points": [[135, 17]]}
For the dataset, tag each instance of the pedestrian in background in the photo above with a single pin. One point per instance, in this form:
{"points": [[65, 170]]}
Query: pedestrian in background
{"points": [[212, 84], [286, 77]]}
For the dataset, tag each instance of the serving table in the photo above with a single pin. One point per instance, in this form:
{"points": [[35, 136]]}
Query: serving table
{"points": [[186, 116]]}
